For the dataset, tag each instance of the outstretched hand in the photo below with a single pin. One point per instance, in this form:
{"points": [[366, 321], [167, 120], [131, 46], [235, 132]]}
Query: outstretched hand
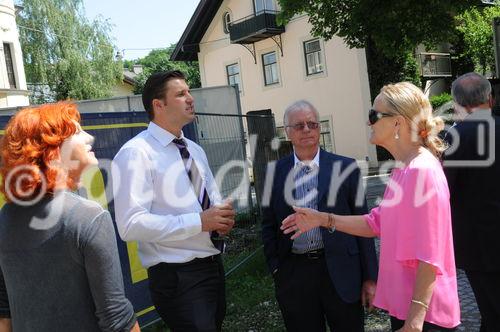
{"points": [[303, 220]]}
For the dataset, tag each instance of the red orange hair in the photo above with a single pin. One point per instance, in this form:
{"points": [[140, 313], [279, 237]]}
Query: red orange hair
{"points": [[30, 148]]}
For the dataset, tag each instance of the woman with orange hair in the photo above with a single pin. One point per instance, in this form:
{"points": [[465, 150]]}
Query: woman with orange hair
{"points": [[59, 265]]}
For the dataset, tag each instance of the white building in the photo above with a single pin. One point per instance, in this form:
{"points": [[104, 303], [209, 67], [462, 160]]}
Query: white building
{"points": [[13, 90], [239, 42], [126, 86]]}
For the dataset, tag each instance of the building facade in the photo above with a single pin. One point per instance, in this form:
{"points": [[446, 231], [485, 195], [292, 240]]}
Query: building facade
{"points": [[13, 90], [239, 42], [126, 86]]}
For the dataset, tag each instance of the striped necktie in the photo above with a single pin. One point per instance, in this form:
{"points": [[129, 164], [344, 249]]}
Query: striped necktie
{"points": [[306, 179], [193, 174], [198, 185]]}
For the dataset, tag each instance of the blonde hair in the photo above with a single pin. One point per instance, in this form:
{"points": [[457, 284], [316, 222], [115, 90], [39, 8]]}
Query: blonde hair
{"points": [[409, 101]]}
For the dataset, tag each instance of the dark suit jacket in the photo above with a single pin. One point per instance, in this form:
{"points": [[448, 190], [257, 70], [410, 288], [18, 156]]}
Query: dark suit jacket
{"points": [[350, 259], [475, 198]]}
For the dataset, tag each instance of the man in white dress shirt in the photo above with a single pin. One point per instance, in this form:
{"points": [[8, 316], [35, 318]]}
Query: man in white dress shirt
{"points": [[166, 199]]}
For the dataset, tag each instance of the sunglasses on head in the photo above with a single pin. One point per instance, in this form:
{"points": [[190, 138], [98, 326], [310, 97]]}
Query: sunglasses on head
{"points": [[301, 126], [374, 116]]}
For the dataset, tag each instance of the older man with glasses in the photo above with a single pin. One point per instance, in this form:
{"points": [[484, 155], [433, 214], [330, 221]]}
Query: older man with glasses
{"points": [[322, 275]]}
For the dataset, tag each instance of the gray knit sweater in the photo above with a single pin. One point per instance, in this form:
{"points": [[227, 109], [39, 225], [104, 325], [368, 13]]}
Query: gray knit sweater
{"points": [[59, 267]]}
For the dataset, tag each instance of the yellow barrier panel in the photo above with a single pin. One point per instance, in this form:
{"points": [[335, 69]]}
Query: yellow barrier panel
{"points": [[93, 181], [116, 125], [145, 311], [137, 271]]}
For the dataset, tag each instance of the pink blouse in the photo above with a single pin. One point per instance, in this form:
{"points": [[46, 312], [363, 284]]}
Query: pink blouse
{"points": [[413, 222]]}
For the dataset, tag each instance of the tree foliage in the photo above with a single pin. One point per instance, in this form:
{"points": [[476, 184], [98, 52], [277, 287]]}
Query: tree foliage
{"points": [[393, 27], [461, 63], [475, 25], [383, 69], [65, 53], [389, 30], [439, 100], [159, 60]]}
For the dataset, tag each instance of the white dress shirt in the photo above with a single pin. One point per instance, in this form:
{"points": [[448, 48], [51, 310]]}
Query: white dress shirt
{"points": [[306, 193], [311, 163], [155, 204]]}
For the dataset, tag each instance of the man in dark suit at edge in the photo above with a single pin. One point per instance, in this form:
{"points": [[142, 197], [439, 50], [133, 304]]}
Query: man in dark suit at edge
{"points": [[472, 168], [323, 274]]}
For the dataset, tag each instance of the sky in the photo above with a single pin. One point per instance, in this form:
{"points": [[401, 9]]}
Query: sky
{"points": [[145, 24]]}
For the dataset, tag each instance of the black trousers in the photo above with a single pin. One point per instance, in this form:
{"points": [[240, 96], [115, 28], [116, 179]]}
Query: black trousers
{"points": [[486, 288], [190, 296], [396, 324], [307, 298]]}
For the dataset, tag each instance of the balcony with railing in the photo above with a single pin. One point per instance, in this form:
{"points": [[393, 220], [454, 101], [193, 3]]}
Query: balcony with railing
{"points": [[255, 27], [435, 65]]}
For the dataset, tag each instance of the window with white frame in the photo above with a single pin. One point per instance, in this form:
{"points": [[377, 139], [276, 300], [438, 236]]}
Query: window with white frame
{"points": [[226, 20], [314, 57], [325, 138], [280, 133], [233, 75], [9, 63], [271, 75], [264, 5]]}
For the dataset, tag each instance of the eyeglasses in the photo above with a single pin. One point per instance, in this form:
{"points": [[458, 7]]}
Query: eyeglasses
{"points": [[374, 116], [301, 126]]}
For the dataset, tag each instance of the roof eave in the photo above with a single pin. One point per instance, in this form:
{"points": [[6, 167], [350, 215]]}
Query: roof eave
{"points": [[187, 47]]}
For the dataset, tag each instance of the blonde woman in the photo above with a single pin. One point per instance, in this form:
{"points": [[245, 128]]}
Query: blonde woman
{"points": [[417, 279]]}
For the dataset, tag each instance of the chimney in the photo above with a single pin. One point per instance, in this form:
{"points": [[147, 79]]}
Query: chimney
{"points": [[119, 56], [137, 69]]}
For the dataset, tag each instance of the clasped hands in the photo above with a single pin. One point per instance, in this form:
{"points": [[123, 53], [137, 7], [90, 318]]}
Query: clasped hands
{"points": [[218, 218]]}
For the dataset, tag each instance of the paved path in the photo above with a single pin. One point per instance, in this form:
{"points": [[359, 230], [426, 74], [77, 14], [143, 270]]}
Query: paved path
{"points": [[470, 315]]}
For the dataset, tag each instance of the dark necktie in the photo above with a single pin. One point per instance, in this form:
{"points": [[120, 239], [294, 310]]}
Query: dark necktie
{"points": [[198, 186]]}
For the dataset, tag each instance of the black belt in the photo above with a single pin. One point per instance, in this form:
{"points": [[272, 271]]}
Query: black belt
{"points": [[313, 254], [191, 262]]}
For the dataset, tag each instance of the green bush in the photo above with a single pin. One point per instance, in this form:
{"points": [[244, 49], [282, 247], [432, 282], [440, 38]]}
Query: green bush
{"points": [[439, 100]]}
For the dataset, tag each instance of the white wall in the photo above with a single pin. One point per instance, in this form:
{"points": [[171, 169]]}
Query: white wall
{"points": [[9, 34], [122, 89], [341, 94]]}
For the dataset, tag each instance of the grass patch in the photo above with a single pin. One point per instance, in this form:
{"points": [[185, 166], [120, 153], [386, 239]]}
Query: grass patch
{"points": [[252, 306]]}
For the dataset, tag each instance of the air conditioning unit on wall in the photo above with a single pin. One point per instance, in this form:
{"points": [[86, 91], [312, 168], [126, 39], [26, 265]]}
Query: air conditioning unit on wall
{"points": [[435, 65]]}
